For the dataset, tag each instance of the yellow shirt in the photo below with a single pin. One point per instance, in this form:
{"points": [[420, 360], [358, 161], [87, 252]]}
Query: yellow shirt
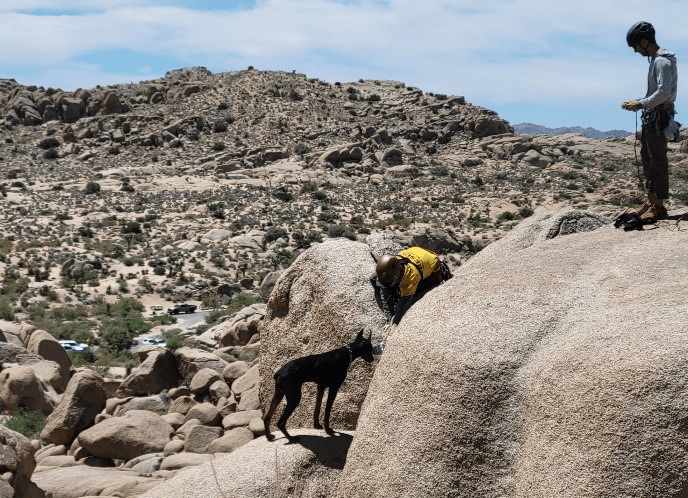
{"points": [[425, 260]]}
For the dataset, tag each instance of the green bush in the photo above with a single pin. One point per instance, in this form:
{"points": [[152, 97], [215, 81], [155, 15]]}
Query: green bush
{"points": [[118, 332], [242, 301], [304, 241], [283, 194], [6, 312], [174, 339], [92, 188], [275, 233], [48, 143], [340, 231], [250, 356], [26, 422], [51, 154], [220, 125]]}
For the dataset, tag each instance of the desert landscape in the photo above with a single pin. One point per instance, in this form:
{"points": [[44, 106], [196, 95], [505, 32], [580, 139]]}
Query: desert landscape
{"points": [[118, 202]]}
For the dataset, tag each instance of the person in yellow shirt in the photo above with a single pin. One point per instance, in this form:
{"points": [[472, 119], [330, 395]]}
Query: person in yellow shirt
{"points": [[401, 280]]}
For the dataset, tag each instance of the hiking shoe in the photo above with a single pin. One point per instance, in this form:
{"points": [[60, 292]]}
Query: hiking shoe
{"points": [[654, 213], [644, 208]]}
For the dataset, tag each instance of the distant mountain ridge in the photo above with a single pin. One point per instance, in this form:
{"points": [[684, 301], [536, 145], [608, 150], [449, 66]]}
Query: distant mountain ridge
{"points": [[533, 129]]}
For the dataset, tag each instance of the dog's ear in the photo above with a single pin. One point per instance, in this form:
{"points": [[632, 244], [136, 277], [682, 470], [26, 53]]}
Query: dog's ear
{"points": [[360, 335]]}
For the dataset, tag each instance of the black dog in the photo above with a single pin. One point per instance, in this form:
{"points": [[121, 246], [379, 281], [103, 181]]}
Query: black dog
{"points": [[629, 221], [327, 370]]}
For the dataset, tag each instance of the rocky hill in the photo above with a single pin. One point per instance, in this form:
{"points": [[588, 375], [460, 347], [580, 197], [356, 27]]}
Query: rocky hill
{"points": [[198, 187], [171, 188], [533, 129]]}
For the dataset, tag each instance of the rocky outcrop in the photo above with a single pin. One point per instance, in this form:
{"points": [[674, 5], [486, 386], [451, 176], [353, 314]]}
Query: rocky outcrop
{"points": [[84, 481], [48, 372], [135, 433], [546, 378], [191, 361], [318, 304], [46, 346], [157, 372], [309, 469], [240, 329], [83, 399], [20, 387], [17, 464]]}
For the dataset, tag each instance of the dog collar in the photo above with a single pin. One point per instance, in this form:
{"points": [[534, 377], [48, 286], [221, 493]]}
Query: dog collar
{"points": [[351, 355]]}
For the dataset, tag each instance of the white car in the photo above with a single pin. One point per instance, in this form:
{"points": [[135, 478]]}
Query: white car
{"points": [[152, 341], [70, 345]]}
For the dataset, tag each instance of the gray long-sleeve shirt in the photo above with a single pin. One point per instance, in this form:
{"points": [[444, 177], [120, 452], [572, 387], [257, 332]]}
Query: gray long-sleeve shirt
{"points": [[662, 80]]}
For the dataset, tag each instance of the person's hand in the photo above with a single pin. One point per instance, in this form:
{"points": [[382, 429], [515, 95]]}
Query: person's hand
{"points": [[632, 105], [387, 330]]}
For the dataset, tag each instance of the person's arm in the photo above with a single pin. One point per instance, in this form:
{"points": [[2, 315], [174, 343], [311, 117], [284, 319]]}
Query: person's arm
{"points": [[402, 307]]}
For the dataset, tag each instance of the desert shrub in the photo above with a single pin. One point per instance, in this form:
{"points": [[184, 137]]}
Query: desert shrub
{"points": [[70, 312], [301, 149], [164, 319], [243, 221], [250, 356], [218, 146], [48, 143], [526, 211], [27, 422], [304, 240], [6, 312], [374, 98], [283, 194], [92, 188], [216, 210], [174, 339], [159, 270], [319, 195], [220, 125], [340, 231], [85, 231], [275, 233], [294, 96], [308, 187], [439, 170], [118, 332], [51, 153], [240, 302], [107, 358], [82, 358], [328, 216], [282, 259]]}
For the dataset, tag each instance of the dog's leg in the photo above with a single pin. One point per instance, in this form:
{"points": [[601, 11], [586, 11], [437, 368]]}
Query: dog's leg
{"points": [[331, 395], [318, 403], [293, 394], [279, 394]]}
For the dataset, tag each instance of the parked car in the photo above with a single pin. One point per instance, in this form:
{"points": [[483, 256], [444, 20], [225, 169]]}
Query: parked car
{"points": [[152, 341], [70, 345], [182, 308]]}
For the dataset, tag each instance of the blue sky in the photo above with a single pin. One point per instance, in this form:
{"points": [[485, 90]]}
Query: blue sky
{"points": [[555, 63]]}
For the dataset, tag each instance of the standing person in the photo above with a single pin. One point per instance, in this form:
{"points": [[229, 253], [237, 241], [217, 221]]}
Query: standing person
{"points": [[401, 280], [658, 117]]}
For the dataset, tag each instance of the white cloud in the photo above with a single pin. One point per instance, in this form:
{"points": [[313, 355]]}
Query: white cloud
{"points": [[496, 50]]}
